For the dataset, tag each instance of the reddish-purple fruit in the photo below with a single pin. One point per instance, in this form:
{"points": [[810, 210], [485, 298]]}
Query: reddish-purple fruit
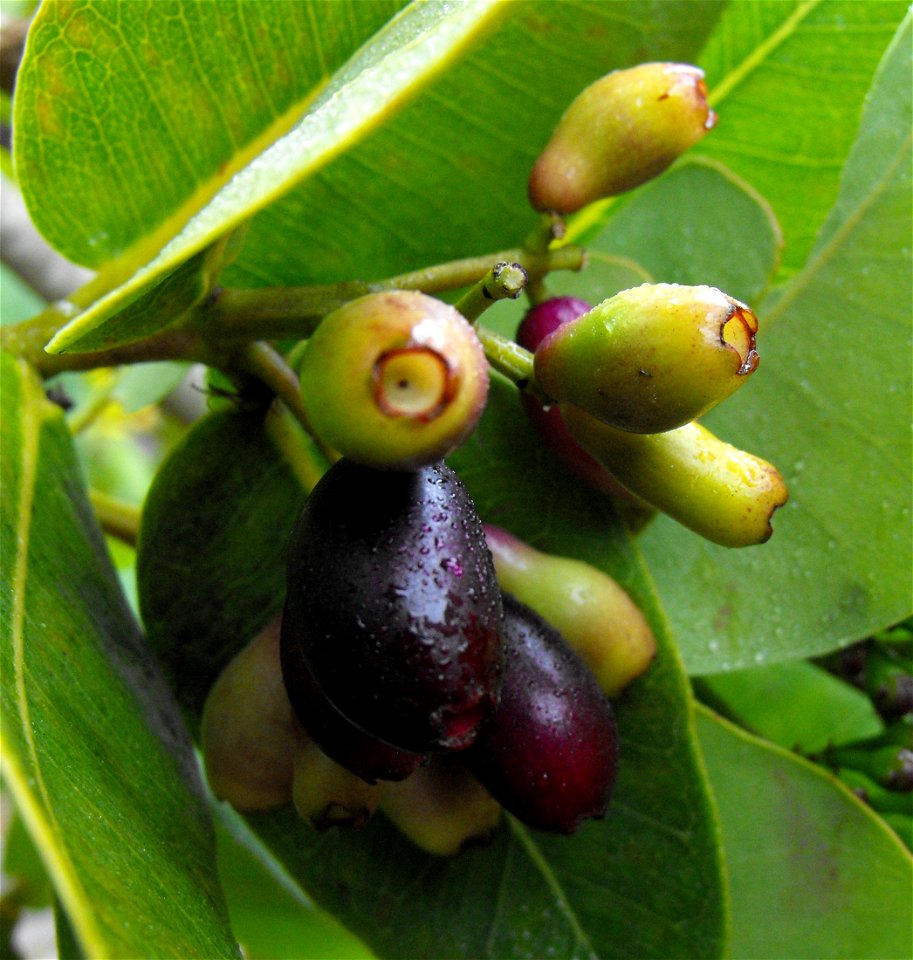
{"points": [[549, 752], [539, 322], [339, 739], [393, 605]]}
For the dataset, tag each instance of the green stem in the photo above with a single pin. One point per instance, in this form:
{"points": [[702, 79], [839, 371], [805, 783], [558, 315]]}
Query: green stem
{"points": [[231, 318], [84, 416], [511, 360], [295, 312], [504, 281], [27, 340], [116, 518], [268, 366]]}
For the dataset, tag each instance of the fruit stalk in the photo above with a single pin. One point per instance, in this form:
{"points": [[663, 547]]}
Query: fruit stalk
{"points": [[504, 281]]}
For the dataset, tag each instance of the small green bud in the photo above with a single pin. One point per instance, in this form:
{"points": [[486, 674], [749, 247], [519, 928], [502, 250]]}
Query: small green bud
{"points": [[651, 358], [620, 132], [326, 794], [587, 607], [441, 808], [709, 486], [249, 732], [394, 380]]}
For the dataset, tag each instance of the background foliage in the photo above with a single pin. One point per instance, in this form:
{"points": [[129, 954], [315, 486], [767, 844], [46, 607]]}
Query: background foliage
{"points": [[359, 146]]}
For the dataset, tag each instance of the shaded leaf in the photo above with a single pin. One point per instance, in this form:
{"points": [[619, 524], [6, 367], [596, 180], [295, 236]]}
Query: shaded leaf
{"points": [[813, 873], [93, 748], [211, 553], [830, 407]]}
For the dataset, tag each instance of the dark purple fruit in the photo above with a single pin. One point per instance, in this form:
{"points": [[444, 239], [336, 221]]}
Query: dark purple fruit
{"points": [[341, 740], [393, 605], [549, 752], [547, 317]]}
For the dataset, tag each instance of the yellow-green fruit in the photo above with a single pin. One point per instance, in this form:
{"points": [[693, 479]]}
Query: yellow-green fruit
{"points": [[249, 732], [620, 132], [651, 358], [587, 607], [725, 494], [328, 795], [394, 380], [441, 807]]}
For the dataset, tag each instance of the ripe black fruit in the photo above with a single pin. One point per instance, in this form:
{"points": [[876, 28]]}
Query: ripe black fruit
{"points": [[352, 748], [393, 604], [549, 752]]}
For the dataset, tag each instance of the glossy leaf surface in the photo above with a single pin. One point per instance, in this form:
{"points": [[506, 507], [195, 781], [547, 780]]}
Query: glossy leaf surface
{"points": [[168, 101], [788, 80], [448, 175], [320, 124], [814, 874], [93, 748]]}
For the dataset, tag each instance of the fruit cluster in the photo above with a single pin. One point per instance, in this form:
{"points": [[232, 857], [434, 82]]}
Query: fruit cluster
{"points": [[403, 675], [441, 669]]}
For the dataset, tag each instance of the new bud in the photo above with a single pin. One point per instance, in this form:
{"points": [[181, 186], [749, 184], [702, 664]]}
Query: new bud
{"points": [[249, 732], [394, 380], [711, 487], [651, 358], [441, 808], [620, 132], [586, 606]]}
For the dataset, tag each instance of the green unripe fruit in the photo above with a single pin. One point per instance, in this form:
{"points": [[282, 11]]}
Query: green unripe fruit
{"points": [[326, 794], [586, 606], [620, 132], [441, 808], [711, 487], [651, 358], [249, 733], [394, 380]]}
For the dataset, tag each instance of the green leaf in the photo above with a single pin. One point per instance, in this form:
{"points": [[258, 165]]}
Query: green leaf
{"points": [[796, 705], [448, 175], [93, 749], [258, 164], [813, 873], [830, 407], [683, 227], [211, 553], [788, 81], [17, 300], [160, 104], [271, 917]]}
